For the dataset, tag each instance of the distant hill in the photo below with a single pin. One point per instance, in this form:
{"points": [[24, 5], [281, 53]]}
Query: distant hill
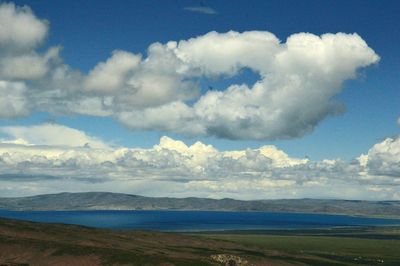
{"points": [[117, 201]]}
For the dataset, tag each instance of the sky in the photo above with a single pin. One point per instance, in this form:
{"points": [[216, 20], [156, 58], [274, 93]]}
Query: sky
{"points": [[267, 99]]}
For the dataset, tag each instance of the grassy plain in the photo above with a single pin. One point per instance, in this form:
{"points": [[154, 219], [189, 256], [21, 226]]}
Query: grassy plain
{"points": [[28, 243], [342, 246]]}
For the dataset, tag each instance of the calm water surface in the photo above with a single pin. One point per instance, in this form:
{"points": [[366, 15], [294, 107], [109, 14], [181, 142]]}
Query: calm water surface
{"points": [[195, 220]]}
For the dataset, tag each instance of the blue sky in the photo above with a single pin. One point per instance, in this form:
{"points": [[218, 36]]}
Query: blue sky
{"points": [[90, 31]]}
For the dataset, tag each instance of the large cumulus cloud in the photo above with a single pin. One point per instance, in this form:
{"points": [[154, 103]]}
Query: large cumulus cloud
{"points": [[298, 80]]}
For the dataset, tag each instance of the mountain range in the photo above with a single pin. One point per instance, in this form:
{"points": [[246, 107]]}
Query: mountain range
{"points": [[117, 201]]}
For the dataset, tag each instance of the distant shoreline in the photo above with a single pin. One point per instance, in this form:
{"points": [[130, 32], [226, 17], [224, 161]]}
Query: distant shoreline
{"points": [[388, 217]]}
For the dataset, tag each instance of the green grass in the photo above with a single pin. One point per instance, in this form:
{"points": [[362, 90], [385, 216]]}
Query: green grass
{"points": [[335, 249]]}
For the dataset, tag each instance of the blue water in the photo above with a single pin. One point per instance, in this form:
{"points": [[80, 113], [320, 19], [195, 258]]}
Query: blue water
{"points": [[195, 220]]}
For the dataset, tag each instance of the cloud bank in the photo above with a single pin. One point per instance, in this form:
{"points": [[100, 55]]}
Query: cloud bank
{"points": [[172, 168], [298, 80]]}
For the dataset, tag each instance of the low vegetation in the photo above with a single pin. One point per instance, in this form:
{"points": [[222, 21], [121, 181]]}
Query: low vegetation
{"points": [[28, 243]]}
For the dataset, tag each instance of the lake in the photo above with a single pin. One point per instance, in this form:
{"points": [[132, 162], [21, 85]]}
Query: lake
{"points": [[196, 220]]}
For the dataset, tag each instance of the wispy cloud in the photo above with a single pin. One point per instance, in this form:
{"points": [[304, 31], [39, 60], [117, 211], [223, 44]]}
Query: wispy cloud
{"points": [[201, 9]]}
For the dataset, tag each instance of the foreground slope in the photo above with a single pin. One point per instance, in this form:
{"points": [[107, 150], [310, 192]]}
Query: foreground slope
{"points": [[28, 243], [117, 201]]}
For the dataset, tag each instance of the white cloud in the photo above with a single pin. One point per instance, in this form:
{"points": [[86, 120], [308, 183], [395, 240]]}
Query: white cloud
{"points": [[173, 168], [176, 116], [52, 135], [19, 28], [20, 34], [23, 67], [201, 9], [181, 147], [13, 101], [384, 158], [226, 53], [298, 81], [110, 75], [161, 79]]}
